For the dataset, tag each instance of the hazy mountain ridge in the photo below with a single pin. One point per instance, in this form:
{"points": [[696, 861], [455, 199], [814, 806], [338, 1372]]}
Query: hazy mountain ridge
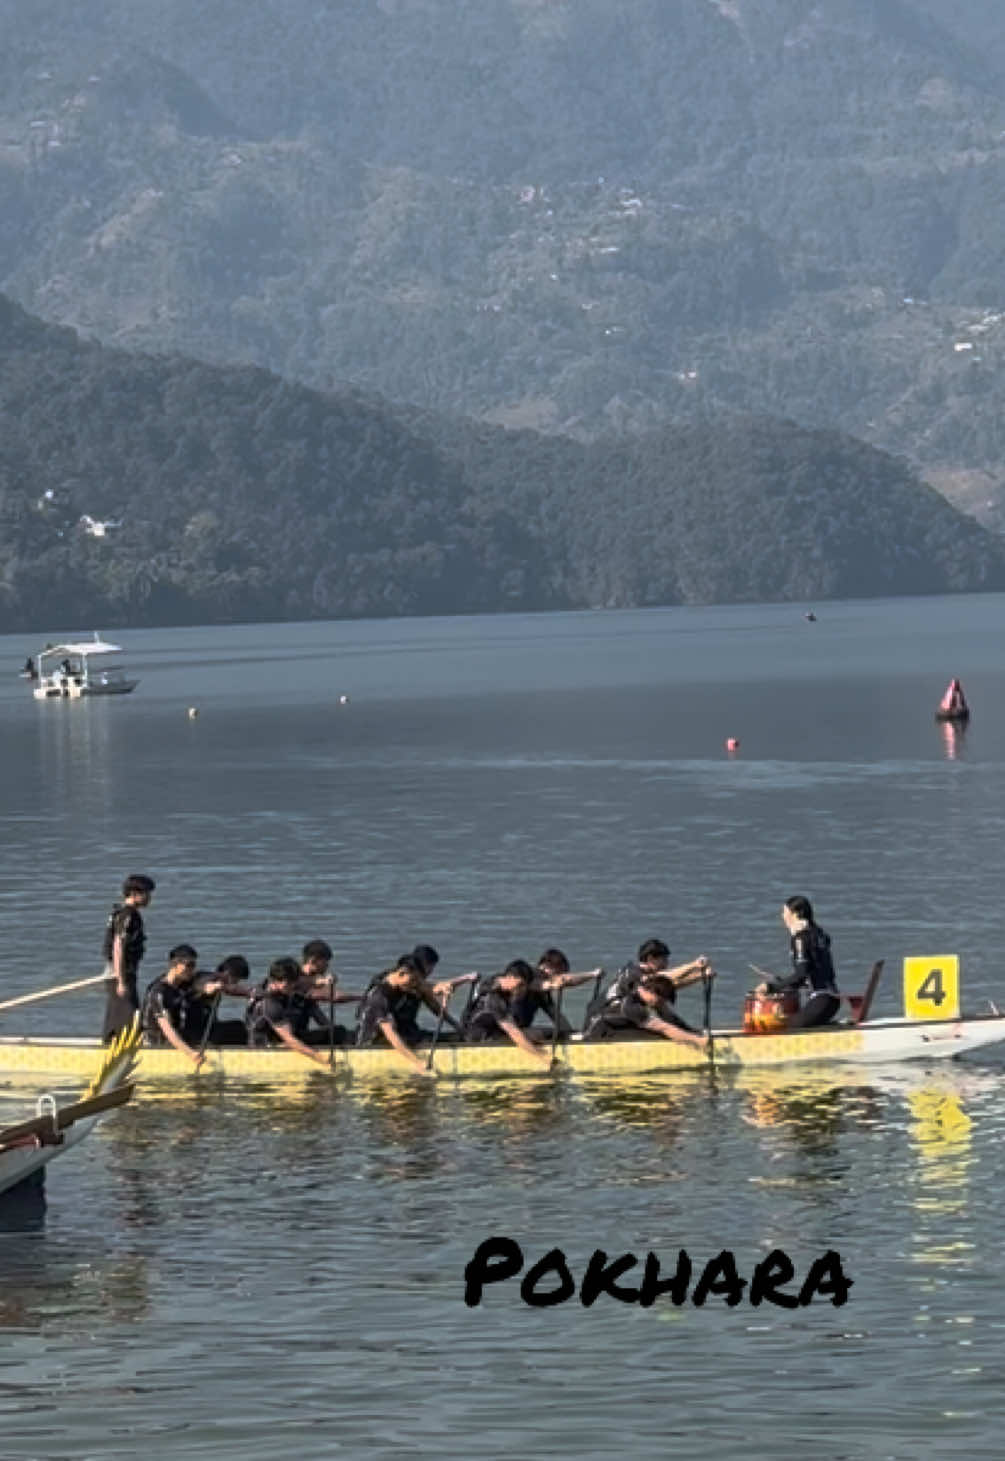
{"points": [[572, 216]]}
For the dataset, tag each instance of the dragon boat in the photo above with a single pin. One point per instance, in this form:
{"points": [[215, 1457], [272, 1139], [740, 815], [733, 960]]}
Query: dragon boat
{"points": [[930, 1029]]}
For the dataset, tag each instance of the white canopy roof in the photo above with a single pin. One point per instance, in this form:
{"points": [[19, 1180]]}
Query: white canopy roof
{"points": [[88, 646]]}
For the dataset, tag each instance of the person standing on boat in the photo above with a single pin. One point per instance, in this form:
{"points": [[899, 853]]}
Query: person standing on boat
{"points": [[166, 1004], [278, 1015], [125, 940], [811, 966], [653, 958], [387, 1012], [646, 1005]]}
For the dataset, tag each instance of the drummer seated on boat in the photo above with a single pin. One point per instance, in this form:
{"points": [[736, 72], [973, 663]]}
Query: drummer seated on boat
{"points": [[499, 1004], [812, 966], [164, 1015], [387, 1012], [653, 958], [646, 1006], [277, 1014], [231, 979]]}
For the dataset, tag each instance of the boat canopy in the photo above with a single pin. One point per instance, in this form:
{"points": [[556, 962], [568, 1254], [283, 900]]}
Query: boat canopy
{"points": [[87, 647]]}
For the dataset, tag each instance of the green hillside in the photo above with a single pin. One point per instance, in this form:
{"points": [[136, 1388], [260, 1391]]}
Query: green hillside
{"points": [[146, 490]]}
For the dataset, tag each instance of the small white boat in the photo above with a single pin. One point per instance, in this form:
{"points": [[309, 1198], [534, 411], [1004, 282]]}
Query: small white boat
{"points": [[28, 1147], [68, 671]]}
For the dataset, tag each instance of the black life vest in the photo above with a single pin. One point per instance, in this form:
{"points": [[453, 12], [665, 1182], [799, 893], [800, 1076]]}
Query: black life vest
{"points": [[124, 919]]}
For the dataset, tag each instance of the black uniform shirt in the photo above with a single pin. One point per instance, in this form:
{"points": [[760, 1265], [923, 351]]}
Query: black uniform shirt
{"points": [[526, 1005], [125, 923], [383, 1002], [627, 980], [487, 1013], [268, 1008], [167, 1000], [811, 962]]}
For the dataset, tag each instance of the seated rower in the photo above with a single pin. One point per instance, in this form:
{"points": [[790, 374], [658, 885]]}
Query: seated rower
{"points": [[653, 958], [277, 1014], [552, 973], [811, 965], [386, 1012], [231, 979], [497, 1004], [318, 981], [166, 1004], [422, 961], [648, 1006]]}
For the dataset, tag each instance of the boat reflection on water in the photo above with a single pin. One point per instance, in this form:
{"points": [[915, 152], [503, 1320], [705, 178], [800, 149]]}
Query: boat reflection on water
{"points": [[954, 739], [941, 1131], [23, 1207]]}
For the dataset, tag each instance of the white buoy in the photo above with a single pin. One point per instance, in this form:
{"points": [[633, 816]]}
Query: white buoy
{"points": [[343, 699], [193, 711]]}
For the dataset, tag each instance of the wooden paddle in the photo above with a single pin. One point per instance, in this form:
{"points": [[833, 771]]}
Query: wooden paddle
{"points": [[9, 1004], [471, 979], [706, 980], [556, 1064], [209, 1023]]}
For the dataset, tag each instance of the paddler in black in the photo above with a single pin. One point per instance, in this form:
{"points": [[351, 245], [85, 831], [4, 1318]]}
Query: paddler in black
{"points": [[123, 947], [647, 1006], [380, 1011], [653, 958], [277, 1014], [230, 980], [494, 1011], [166, 1004], [552, 973], [422, 961], [811, 965], [318, 981]]}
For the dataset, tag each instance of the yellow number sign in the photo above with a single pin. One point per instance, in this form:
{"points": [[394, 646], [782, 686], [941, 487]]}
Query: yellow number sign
{"points": [[932, 988]]}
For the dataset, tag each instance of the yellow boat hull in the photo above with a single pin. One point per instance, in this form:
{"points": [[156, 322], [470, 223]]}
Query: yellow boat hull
{"points": [[879, 1041]]}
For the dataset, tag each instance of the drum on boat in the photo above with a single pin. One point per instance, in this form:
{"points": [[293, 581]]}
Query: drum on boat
{"points": [[767, 1014]]}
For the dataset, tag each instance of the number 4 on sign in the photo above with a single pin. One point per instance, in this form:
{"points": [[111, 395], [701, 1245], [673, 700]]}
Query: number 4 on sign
{"points": [[932, 988]]}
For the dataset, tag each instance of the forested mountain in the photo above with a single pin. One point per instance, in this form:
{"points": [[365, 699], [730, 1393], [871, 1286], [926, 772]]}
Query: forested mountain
{"points": [[578, 215], [136, 489]]}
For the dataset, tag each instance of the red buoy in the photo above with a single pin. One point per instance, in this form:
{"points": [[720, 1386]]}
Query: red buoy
{"points": [[953, 706], [733, 743]]}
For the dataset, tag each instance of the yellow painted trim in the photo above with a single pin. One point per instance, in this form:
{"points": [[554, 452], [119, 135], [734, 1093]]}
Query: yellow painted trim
{"points": [[612, 1057]]}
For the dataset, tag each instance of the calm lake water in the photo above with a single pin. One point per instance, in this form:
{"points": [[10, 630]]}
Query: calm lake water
{"points": [[233, 1274]]}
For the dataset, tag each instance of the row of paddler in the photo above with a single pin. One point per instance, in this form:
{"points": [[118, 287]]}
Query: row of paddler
{"points": [[295, 1004]]}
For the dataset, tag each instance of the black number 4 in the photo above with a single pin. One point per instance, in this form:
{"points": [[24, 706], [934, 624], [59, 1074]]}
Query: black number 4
{"points": [[932, 988]]}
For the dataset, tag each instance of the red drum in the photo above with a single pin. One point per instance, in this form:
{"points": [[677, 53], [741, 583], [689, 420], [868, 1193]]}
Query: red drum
{"points": [[767, 1014]]}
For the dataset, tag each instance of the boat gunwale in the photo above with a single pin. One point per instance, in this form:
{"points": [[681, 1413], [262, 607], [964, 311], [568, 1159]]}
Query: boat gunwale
{"points": [[885, 1022]]}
